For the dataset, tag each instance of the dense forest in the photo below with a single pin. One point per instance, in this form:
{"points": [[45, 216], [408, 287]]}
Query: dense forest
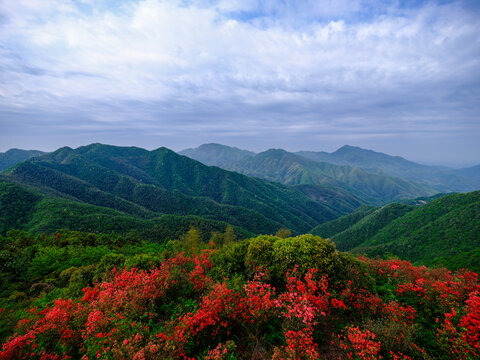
{"points": [[444, 231], [148, 184]]}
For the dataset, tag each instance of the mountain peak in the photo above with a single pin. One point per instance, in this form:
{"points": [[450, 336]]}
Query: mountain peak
{"points": [[214, 154], [349, 148]]}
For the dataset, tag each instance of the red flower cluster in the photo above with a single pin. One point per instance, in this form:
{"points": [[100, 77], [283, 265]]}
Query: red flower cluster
{"points": [[185, 308], [359, 344]]}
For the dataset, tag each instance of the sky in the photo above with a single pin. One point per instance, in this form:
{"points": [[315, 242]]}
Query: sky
{"points": [[400, 77]]}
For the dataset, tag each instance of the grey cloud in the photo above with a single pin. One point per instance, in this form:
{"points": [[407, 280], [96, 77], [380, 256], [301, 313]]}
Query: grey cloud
{"points": [[154, 73]]}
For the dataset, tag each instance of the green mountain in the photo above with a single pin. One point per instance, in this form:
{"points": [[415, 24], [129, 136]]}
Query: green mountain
{"points": [[332, 196], [26, 209], [291, 169], [422, 200], [368, 226], [442, 178], [445, 231], [147, 184], [217, 154], [14, 156], [333, 227]]}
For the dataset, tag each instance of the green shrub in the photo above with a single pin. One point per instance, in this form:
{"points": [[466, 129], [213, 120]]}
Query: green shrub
{"points": [[305, 252], [260, 252]]}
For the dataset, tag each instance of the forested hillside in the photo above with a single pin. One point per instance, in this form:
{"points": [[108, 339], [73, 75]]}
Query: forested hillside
{"points": [[26, 209], [14, 156], [442, 178], [334, 196], [287, 168], [147, 184], [331, 228], [445, 231]]}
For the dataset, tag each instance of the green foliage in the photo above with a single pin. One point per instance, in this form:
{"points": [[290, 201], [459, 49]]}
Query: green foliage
{"points": [[277, 256], [192, 240], [331, 228], [231, 258], [260, 253], [283, 233], [16, 206], [305, 251], [291, 169], [144, 185], [144, 261], [369, 225], [443, 232], [108, 262]]}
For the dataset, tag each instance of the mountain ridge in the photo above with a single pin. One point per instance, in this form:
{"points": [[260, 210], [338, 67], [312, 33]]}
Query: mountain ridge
{"points": [[443, 232], [147, 183]]}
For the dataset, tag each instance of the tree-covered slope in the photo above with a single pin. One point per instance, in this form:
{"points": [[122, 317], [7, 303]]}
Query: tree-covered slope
{"points": [[26, 209], [217, 154], [333, 196], [445, 231], [291, 169], [14, 156], [147, 183], [139, 200], [441, 178], [368, 226], [333, 227]]}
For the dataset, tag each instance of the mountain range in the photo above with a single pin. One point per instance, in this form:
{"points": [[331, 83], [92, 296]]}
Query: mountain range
{"points": [[160, 194], [441, 178], [349, 167], [148, 184]]}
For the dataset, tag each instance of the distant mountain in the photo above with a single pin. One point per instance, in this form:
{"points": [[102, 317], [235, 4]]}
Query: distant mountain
{"points": [[442, 178], [335, 197], [14, 156], [217, 155], [291, 169], [445, 231], [147, 184], [471, 172]]}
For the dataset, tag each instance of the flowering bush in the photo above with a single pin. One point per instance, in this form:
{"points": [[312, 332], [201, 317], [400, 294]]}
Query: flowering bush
{"points": [[358, 344], [189, 308]]}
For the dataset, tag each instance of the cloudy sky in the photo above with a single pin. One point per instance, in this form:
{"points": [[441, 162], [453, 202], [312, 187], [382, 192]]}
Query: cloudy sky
{"points": [[401, 77]]}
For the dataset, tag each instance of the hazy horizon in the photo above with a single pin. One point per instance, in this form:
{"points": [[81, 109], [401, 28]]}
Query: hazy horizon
{"points": [[398, 77], [453, 166]]}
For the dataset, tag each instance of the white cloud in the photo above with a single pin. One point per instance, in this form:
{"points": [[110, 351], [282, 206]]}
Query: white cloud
{"points": [[204, 60], [154, 49]]}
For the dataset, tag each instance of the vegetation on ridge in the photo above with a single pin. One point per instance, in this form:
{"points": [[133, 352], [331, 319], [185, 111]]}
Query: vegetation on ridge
{"points": [[148, 184], [87, 296], [445, 231]]}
